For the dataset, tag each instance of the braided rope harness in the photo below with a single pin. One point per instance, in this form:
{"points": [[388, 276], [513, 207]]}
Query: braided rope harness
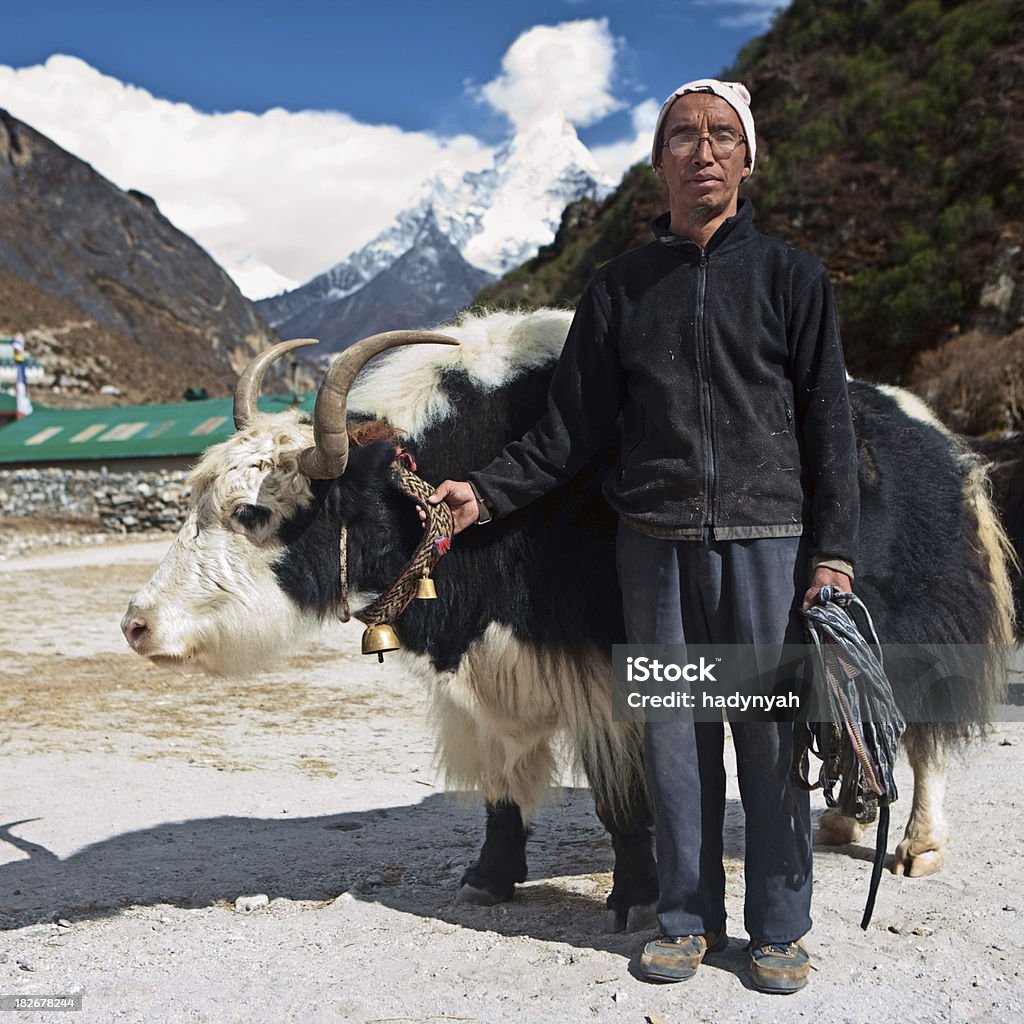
{"points": [[857, 738], [435, 542]]}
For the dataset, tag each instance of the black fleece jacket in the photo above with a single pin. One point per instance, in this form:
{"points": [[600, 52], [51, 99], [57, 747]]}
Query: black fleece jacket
{"points": [[719, 373]]}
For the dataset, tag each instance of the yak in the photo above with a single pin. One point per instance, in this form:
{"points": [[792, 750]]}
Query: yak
{"points": [[517, 648]]}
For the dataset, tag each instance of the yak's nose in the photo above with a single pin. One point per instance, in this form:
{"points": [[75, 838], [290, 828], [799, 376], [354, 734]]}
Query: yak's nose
{"points": [[135, 628]]}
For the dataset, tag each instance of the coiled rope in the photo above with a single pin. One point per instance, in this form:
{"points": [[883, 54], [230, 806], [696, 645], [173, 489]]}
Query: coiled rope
{"points": [[435, 542], [859, 725]]}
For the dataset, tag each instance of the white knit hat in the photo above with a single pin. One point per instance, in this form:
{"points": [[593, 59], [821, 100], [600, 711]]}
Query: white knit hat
{"points": [[734, 93]]}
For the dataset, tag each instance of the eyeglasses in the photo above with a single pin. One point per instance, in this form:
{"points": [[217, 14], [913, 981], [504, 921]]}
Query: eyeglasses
{"points": [[723, 142]]}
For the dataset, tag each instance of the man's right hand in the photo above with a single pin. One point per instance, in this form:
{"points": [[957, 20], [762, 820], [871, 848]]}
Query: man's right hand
{"points": [[459, 497]]}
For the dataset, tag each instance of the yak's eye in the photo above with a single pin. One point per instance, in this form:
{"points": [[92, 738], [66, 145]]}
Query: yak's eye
{"points": [[251, 516]]}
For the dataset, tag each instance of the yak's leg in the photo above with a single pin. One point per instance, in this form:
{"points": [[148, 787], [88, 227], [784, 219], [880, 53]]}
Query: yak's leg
{"points": [[613, 762], [512, 779], [924, 842], [511, 764], [492, 877], [633, 901], [838, 829]]}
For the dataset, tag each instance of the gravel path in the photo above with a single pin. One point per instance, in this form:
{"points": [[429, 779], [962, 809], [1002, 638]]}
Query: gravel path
{"points": [[138, 804]]}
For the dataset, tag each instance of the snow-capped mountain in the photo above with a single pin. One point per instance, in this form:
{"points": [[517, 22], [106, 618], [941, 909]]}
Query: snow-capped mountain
{"points": [[423, 286], [472, 228], [534, 177]]}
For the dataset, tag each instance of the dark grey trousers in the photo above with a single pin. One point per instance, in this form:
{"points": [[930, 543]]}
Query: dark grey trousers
{"points": [[725, 592]]}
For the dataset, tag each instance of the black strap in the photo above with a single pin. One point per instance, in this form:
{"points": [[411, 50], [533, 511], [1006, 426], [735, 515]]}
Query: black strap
{"points": [[881, 842]]}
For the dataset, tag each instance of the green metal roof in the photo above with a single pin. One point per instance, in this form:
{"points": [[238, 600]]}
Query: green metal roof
{"points": [[128, 431]]}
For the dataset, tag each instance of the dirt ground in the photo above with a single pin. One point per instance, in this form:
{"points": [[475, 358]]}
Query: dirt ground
{"points": [[137, 804]]}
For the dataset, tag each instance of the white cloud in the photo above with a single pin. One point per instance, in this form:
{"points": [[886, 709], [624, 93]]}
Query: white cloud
{"points": [[275, 197], [617, 157], [556, 69], [754, 14], [280, 196]]}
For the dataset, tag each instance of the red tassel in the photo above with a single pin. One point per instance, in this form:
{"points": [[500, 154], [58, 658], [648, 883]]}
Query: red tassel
{"points": [[403, 456]]}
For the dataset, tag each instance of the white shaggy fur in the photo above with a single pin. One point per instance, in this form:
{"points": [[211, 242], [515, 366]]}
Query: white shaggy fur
{"points": [[214, 601], [403, 387], [499, 713]]}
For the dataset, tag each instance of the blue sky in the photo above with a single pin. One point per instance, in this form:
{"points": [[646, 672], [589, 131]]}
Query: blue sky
{"points": [[452, 78]]}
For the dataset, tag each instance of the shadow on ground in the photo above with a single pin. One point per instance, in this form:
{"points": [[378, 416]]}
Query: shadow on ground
{"points": [[409, 858]]}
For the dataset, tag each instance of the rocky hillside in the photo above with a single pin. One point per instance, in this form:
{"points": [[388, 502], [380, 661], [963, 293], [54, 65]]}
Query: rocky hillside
{"points": [[105, 289], [890, 144]]}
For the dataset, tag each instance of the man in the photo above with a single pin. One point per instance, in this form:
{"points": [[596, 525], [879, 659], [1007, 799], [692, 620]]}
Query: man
{"points": [[715, 354]]}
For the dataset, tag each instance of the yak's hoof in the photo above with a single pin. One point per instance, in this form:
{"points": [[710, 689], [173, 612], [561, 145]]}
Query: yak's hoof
{"points": [[479, 887], [915, 865], [835, 829], [640, 917], [483, 897], [614, 921]]}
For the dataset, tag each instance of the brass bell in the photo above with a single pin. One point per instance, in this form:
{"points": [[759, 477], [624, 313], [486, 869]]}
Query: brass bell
{"points": [[425, 589], [378, 639]]}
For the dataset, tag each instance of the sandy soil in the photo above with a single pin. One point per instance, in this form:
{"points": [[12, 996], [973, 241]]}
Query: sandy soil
{"points": [[137, 804]]}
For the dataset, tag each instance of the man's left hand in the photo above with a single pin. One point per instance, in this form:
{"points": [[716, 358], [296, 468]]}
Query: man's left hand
{"points": [[824, 577]]}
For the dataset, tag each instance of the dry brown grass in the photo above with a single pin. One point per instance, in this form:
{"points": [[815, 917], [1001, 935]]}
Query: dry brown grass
{"points": [[975, 382]]}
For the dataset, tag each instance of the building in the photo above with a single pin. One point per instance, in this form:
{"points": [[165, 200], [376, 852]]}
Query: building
{"points": [[127, 437]]}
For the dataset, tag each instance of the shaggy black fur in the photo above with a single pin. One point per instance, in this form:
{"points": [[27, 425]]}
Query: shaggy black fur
{"points": [[921, 571]]}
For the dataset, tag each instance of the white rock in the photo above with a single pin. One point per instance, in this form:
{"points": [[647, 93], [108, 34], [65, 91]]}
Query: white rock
{"points": [[247, 904]]}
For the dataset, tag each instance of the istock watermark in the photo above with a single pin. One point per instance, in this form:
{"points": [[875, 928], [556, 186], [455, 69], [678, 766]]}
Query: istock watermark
{"points": [[642, 669], [963, 683]]}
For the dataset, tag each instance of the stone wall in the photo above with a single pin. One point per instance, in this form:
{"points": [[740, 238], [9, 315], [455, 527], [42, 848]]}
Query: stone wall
{"points": [[123, 501]]}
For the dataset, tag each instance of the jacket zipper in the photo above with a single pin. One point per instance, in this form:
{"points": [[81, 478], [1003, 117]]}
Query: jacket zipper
{"points": [[706, 410]]}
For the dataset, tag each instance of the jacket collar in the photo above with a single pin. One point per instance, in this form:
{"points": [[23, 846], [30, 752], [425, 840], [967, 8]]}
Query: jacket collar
{"points": [[736, 231]]}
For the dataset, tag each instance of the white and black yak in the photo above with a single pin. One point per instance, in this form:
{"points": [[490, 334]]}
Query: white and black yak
{"points": [[517, 648]]}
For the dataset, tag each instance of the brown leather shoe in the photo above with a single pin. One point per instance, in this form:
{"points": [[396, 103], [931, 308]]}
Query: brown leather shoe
{"points": [[779, 966], [677, 957]]}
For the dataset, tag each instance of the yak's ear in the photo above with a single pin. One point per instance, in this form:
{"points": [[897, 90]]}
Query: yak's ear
{"points": [[370, 463], [367, 480]]}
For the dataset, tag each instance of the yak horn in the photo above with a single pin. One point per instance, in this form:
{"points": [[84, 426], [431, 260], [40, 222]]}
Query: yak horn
{"points": [[329, 457], [247, 390]]}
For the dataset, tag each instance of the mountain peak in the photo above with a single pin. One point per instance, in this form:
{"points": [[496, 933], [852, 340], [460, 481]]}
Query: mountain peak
{"points": [[493, 219]]}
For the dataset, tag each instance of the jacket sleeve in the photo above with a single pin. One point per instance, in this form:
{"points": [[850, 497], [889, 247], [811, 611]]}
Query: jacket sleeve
{"points": [[583, 404], [826, 422]]}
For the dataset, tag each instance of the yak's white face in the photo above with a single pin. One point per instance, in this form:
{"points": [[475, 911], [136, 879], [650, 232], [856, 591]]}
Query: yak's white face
{"points": [[215, 601]]}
